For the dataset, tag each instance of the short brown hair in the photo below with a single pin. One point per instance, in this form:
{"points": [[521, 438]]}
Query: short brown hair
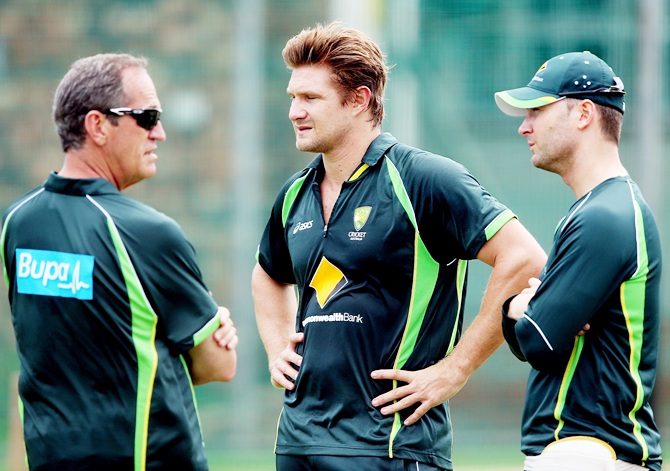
{"points": [[92, 83], [611, 119], [353, 57]]}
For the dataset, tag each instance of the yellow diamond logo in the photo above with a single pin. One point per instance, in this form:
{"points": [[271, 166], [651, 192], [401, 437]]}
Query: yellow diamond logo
{"points": [[327, 281]]}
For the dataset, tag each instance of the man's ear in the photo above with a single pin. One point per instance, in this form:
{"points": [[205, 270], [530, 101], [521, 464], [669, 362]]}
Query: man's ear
{"points": [[96, 126], [360, 98], [587, 113]]}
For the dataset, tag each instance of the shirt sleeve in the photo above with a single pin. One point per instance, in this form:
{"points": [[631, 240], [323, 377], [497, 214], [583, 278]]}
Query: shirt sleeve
{"points": [[173, 283], [590, 259], [273, 253], [456, 214], [508, 325]]}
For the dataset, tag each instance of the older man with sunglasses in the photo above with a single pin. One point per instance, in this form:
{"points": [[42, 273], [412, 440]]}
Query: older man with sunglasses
{"points": [[113, 321]]}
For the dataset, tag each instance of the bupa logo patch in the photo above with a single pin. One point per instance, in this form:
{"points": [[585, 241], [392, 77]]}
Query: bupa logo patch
{"points": [[47, 273]]}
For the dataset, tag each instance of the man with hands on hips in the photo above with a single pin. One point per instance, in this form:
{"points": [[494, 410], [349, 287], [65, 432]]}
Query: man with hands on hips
{"points": [[375, 236]]}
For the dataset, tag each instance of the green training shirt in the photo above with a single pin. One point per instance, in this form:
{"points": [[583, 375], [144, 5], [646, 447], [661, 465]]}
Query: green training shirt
{"points": [[106, 299], [381, 286], [604, 269]]}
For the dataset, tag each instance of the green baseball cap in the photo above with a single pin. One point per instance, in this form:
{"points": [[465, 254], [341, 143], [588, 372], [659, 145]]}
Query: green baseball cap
{"points": [[574, 74]]}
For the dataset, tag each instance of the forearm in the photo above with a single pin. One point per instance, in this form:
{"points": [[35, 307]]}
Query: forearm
{"points": [[212, 363], [275, 306], [215, 358], [515, 257], [484, 335]]}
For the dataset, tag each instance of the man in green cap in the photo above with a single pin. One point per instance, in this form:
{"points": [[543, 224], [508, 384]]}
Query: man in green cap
{"points": [[589, 326]]}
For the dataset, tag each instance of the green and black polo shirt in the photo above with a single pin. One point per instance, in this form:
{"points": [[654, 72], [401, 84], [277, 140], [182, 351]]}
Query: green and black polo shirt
{"points": [[106, 299], [381, 286], [603, 269]]}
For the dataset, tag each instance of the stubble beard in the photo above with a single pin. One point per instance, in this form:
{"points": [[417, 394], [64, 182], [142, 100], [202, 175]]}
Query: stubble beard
{"points": [[312, 145], [554, 162]]}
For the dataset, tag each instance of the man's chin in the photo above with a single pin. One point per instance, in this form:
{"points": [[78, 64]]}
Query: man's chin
{"points": [[305, 146], [149, 172]]}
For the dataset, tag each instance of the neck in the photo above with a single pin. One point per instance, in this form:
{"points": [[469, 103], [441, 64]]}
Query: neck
{"points": [[80, 163], [341, 162], [592, 168]]}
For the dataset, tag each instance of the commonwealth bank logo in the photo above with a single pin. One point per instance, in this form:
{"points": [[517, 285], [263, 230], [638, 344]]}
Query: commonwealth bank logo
{"points": [[327, 281], [361, 215]]}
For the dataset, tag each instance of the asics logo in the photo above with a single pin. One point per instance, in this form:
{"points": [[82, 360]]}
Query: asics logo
{"points": [[301, 226]]}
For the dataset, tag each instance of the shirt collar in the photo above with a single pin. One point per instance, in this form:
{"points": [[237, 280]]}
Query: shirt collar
{"points": [[376, 150], [79, 186]]}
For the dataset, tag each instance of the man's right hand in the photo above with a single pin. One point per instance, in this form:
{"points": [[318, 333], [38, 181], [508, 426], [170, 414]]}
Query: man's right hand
{"points": [[226, 334], [283, 370]]}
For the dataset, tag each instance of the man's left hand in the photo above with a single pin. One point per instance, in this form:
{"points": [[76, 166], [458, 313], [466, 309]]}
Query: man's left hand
{"points": [[429, 387]]}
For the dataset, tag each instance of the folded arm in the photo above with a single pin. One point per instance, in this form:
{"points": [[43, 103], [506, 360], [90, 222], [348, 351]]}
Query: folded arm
{"points": [[215, 358]]}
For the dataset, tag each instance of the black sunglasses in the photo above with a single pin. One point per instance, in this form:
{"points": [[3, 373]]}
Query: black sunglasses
{"points": [[146, 118]]}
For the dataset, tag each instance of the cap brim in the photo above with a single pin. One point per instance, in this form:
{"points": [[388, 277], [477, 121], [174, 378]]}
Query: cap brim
{"points": [[515, 102]]}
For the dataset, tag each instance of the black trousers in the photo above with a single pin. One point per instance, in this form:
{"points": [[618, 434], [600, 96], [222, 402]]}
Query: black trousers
{"points": [[349, 463]]}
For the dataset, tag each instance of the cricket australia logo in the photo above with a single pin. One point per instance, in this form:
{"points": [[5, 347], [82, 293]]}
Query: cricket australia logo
{"points": [[60, 274], [361, 215], [536, 77]]}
